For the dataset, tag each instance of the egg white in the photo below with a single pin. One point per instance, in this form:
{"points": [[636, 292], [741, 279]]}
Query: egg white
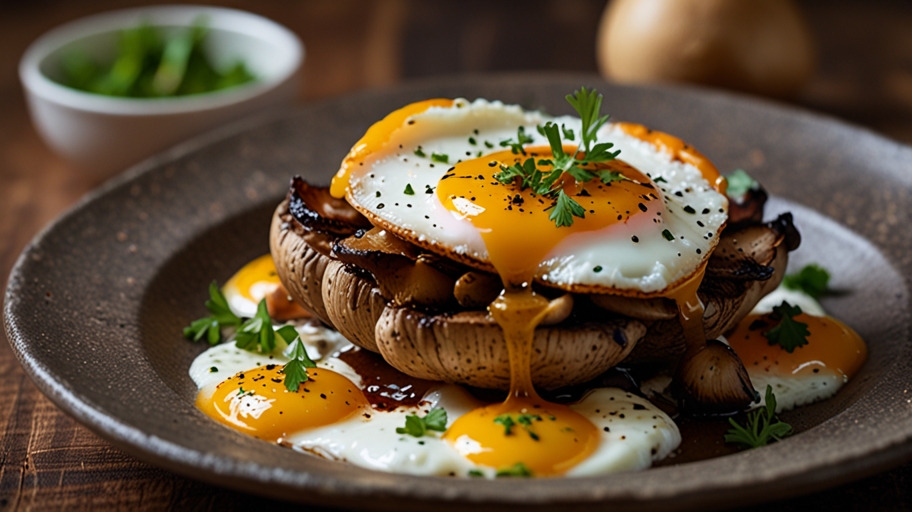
{"points": [[378, 189]]}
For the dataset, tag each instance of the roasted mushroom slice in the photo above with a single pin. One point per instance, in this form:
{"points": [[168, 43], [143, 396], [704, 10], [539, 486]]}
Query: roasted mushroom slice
{"points": [[476, 289], [397, 267], [469, 348], [748, 208], [316, 209], [299, 264], [353, 302], [712, 380]]}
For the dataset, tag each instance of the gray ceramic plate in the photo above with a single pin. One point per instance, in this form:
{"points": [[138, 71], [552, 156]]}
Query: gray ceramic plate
{"points": [[95, 305]]}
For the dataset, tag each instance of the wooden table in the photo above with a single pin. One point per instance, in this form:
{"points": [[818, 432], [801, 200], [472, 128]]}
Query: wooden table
{"points": [[49, 461]]}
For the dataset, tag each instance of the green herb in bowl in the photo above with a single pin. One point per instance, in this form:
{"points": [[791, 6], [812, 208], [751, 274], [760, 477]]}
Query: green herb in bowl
{"points": [[153, 64]]}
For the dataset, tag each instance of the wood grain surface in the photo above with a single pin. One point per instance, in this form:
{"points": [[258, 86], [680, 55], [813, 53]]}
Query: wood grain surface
{"points": [[48, 461]]}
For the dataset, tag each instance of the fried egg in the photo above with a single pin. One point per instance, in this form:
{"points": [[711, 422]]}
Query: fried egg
{"points": [[251, 284], [426, 173], [810, 373]]}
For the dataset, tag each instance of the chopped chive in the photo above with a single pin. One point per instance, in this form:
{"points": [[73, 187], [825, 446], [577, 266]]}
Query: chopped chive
{"points": [[419, 152], [409, 191], [437, 157], [668, 236]]}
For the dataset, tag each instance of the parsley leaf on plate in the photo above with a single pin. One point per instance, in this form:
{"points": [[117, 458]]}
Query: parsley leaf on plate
{"points": [[762, 426], [788, 333], [812, 280], [435, 419], [295, 369], [257, 333], [211, 326]]}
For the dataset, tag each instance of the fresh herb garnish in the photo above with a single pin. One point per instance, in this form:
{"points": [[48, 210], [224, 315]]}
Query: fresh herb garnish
{"points": [[472, 141], [475, 473], [523, 419], [563, 211], [521, 140], [409, 191], [440, 158], [519, 469], [507, 421], [762, 426], [417, 426], [420, 152], [257, 332], [211, 326], [788, 333], [740, 183], [295, 369], [588, 152], [668, 236], [812, 280]]}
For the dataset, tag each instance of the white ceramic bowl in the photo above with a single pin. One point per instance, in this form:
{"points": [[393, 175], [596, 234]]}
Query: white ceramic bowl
{"points": [[101, 135]]}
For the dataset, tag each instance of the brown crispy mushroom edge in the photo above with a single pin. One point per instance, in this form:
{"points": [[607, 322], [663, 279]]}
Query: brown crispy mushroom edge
{"points": [[454, 343]]}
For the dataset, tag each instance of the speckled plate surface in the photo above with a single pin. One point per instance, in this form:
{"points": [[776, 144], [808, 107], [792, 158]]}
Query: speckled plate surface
{"points": [[95, 305]]}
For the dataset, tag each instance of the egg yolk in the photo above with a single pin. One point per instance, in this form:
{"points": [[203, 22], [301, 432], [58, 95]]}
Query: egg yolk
{"points": [[256, 279], [376, 138], [515, 224], [257, 402], [547, 438], [832, 347]]}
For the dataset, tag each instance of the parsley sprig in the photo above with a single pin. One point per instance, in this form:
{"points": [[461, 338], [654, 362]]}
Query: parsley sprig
{"points": [[788, 333], [762, 427], [212, 325], [589, 151], [295, 369], [812, 280], [257, 331], [417, 426], [517, 145]]}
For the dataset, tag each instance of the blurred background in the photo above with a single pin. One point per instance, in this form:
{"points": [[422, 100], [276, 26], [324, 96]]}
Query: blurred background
{"points": [[846, 58]]}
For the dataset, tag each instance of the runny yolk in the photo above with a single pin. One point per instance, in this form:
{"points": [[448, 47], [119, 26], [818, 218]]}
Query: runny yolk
{"points": [[678, 150], [515, 224], [518, 233], [257, 403], [256, 279], [547, 438], [690, 308], [832, 347], [376, 138]]}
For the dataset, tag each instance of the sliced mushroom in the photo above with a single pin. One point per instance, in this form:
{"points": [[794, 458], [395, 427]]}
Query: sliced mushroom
{"points": [[403, 276], [316, 209], [299, 265], [711, 380], [747, 209], [469, 348], [476, 289], [353, 302]]}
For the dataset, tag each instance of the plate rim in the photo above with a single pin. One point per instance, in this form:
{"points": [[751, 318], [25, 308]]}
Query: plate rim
{"points": [[164, 453]]}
